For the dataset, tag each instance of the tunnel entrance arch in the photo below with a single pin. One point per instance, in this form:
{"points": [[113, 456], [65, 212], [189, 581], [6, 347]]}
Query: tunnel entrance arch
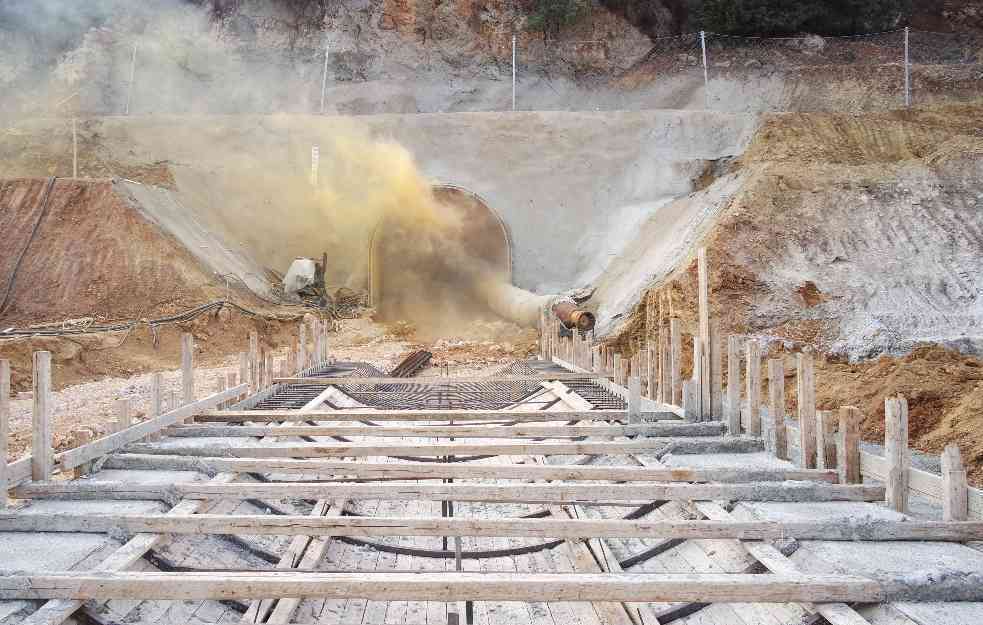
{"points": [[483, 233]]}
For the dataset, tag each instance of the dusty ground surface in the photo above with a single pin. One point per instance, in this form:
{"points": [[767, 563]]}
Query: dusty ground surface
{"points": [[91, 374]]}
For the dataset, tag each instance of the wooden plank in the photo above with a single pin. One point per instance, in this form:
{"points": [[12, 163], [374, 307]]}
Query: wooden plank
{"points": [[601, 494], [454, 586], [692, 445], [42, 453], [805, 399], [266, 416], [753, 351], [73, 458], [896, 452], [561, 527], [777, 562], [776, 407], [955, 501], [187, 368], [4, 429], [676, 360], [458, 470], [634, 398], [703, 310], [457, 431], [58, 610], [441, 381], [848, 447], [691, 400], [826, 422], [734, 385]]}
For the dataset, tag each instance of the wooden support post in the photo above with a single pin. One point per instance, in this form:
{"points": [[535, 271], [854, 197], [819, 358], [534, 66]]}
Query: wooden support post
{"points": [[4, 429], [698, 375], [848, 445], [230, 382], [123, 414], [826, 422], [634, 399], [634, 368], [42, 455], [268, 368], [753, 351], [302, 349], [243, 367], [897, 453], [675, 360], [665, 381], [617, 368], [716, 374], [734, 385], [691, 400], [955, 489], [805, 399], [703, 284], [155, 409], [253, 356], [172, 400], [187, 368], [776, 407], [652, 370]]}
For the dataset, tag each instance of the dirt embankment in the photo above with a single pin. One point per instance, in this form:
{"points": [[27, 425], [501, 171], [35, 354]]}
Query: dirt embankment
{"points": [[859, 236]]}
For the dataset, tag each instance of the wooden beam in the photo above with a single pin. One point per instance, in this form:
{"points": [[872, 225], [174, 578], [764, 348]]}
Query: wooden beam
{"points": [[456, 586], [268, 416], [634, 398], [955, 491], [776, 407], [691, 400], [716, 373], [187, 368], [336, 525], [459, 470], [42, 453], [453, 431], [705, 444], [73, 458], [734, 385], [778, 563], [805, 399], [753, 351], [601, 494], [703, 310], [896, 452], [676, 360], [826, 422], [441, 381], [848, 447], [4, 429]]}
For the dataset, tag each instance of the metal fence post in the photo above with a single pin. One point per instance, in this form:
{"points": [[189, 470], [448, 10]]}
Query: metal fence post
{"points": [[706, 72], [907, 69]]}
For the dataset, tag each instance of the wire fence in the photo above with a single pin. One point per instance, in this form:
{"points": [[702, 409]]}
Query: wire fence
{"points": [[221, 74]]}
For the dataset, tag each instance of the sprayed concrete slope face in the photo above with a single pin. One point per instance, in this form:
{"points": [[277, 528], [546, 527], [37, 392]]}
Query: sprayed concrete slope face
{"points": [[859, 235], [571, 188]]}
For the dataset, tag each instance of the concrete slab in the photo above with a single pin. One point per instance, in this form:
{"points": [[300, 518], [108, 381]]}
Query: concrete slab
{"points": [[818, 511], [886, 559], [44, 506], [756, 460], [46, 551], [942, 613], [139, 476]]}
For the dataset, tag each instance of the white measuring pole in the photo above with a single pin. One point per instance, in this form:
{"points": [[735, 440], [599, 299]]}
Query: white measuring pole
{"points": [[907, 70], [513, 72], [706, 73], [133, 73], [324, 78]]}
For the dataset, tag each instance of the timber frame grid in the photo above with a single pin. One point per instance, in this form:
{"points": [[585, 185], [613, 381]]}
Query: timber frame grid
{"points": [[830, 468]]}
